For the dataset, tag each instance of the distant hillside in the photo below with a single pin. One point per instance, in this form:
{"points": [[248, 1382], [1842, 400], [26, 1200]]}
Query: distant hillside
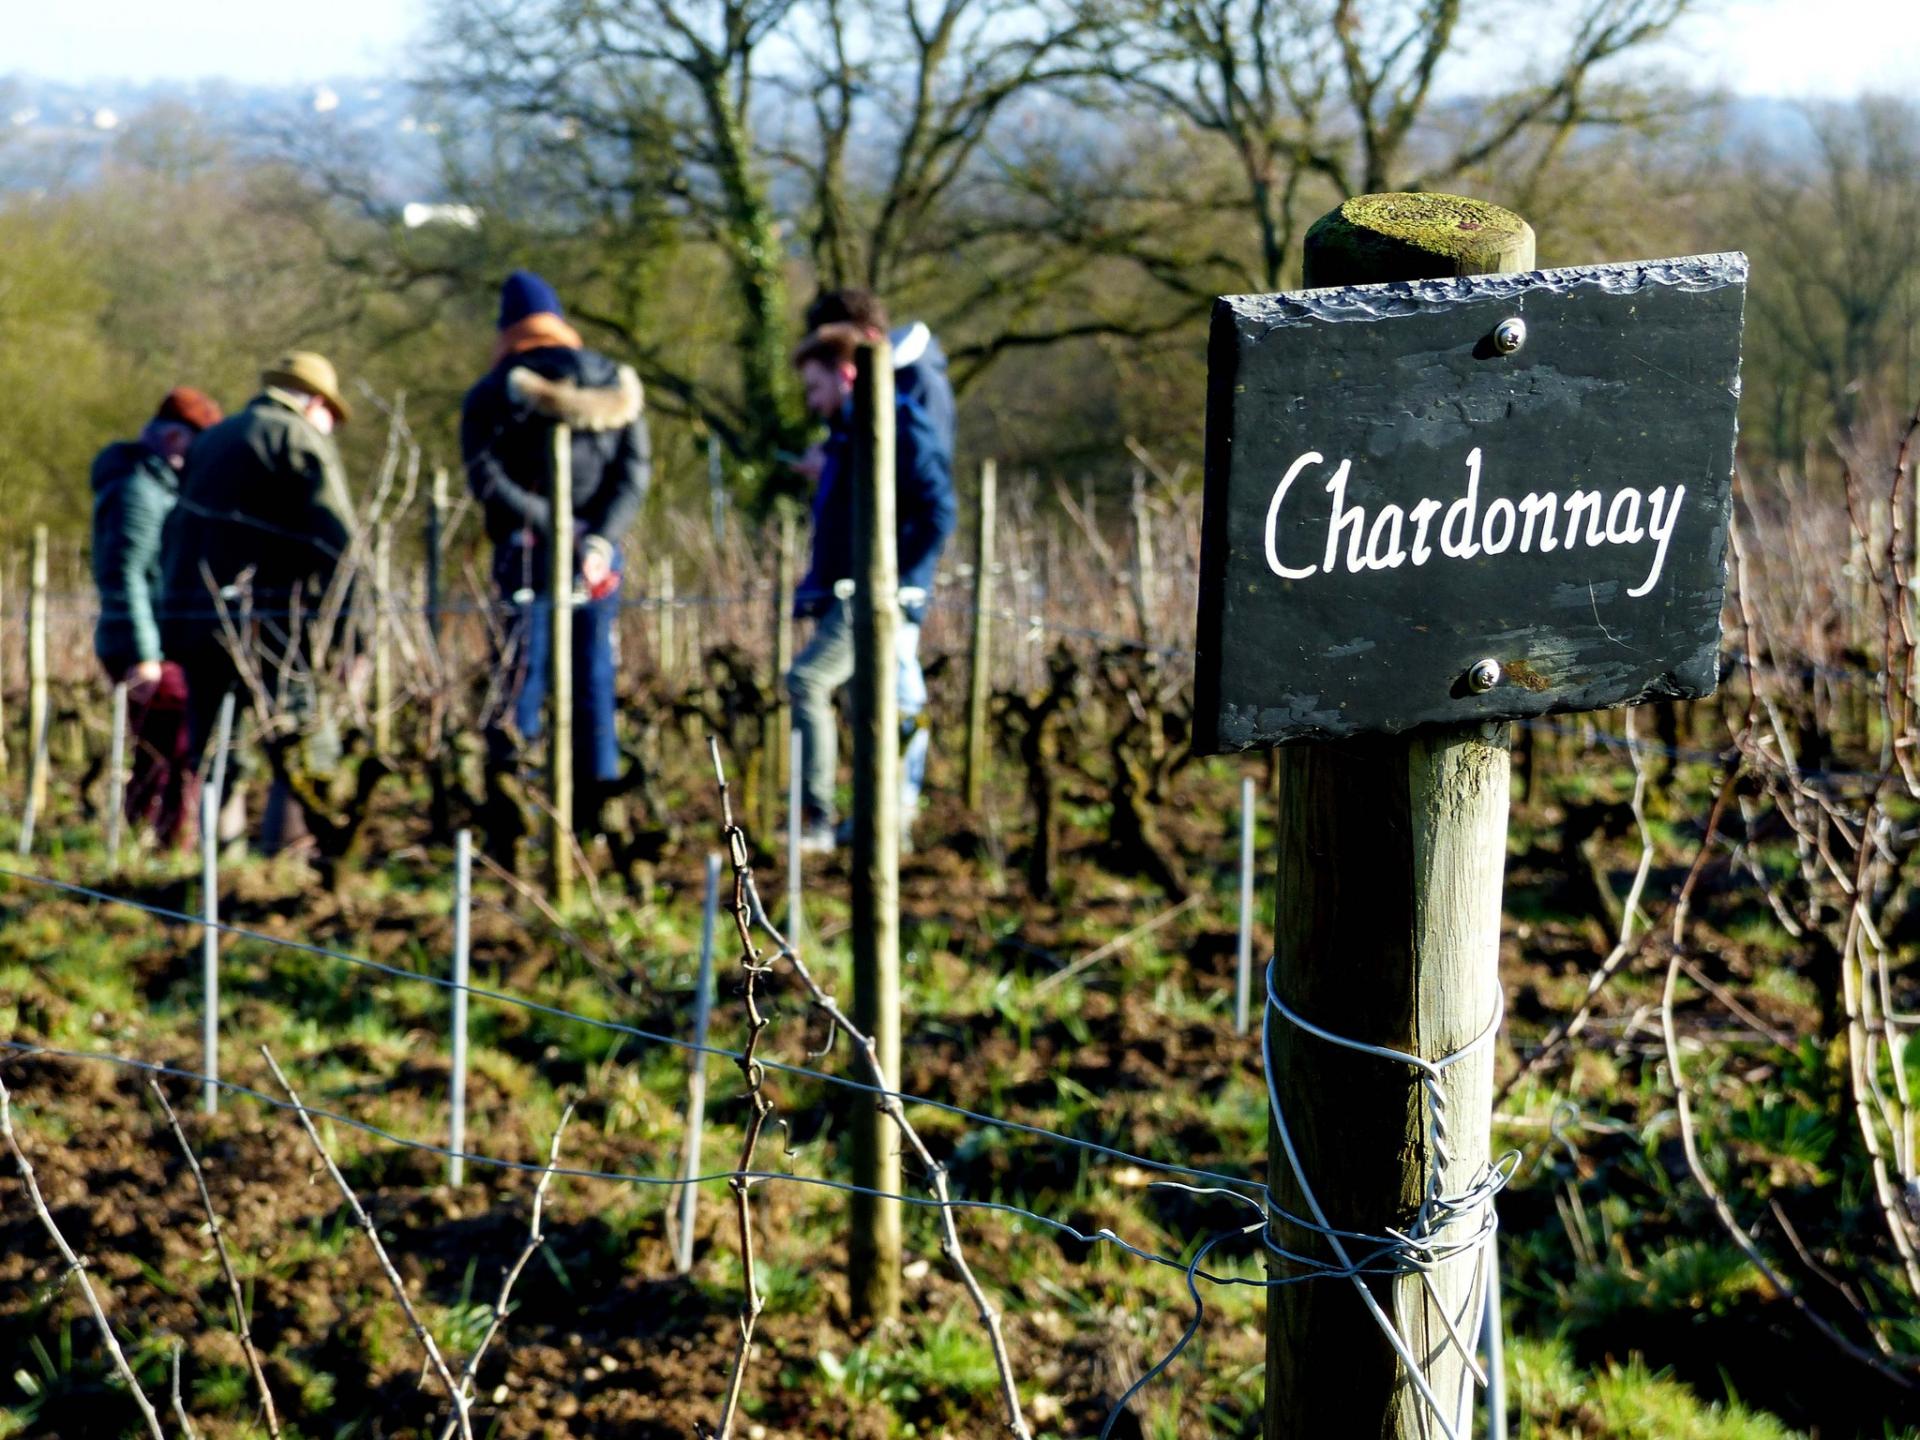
{"points": [[53, 132]]}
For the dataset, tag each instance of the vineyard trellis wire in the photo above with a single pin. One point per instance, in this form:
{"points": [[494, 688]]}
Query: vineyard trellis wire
{"points": [[1384, 1257], [1191, 1268], [1759, 758]]}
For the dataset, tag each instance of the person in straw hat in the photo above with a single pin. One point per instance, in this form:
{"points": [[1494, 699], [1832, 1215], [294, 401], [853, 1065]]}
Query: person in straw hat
{"points": [[254, 544]]}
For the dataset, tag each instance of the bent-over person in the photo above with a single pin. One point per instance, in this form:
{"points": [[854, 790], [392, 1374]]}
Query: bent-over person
{"points": [[252, 548], [135, 485]]}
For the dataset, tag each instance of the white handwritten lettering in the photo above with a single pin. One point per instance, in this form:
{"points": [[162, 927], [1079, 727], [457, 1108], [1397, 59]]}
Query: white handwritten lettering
{"points": [[1287, 572], [1341, 518], [1360, 538], [1463, 510], [1661, 531]]}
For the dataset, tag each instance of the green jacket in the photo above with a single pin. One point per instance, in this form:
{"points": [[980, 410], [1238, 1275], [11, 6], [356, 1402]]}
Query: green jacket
{"points": [[134, 490], [265, 492]]}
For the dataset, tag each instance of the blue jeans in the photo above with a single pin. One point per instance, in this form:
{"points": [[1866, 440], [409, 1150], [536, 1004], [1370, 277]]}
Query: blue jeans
{"points": [[822, 668], [596, 747]]}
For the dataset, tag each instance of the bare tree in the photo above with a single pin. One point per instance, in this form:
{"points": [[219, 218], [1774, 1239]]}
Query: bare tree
{"points": [[1331, 98], [1838, 235], [635, 123]]}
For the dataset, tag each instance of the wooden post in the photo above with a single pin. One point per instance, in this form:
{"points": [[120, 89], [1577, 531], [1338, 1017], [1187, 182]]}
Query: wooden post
{"points": [[1142, 558], [874, 1245], [980, 663], [665, 658], [383, 638], [4, 758], [796, 897], [117, 775], [1390, 856], [780, 718], [436, 549], [37, 709], [438, 808], [560, 691], [717, 491]]}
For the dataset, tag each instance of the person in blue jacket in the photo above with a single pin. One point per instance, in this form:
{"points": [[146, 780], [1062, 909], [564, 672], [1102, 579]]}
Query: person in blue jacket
{"points": [[925, 516]]}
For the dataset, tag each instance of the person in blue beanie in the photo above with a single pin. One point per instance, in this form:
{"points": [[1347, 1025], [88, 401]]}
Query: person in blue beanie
{"points": [[925, 514], [542, 375]]}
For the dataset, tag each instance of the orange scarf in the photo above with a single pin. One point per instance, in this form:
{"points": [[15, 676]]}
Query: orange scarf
{"points": [[536, 332]]}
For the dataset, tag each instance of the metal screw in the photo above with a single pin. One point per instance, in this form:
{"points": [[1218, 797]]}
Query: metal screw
{"points": [[1484, 675], [1509, 335]]}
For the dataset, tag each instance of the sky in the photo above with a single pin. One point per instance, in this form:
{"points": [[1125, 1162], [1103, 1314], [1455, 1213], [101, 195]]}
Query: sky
{"points": [[1780, 48]]}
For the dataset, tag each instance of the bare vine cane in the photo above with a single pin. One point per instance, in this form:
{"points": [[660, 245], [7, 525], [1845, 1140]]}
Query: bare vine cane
{"points": [[434, 1358], [76, 1266], [748, 911], [1754, 758], [759, 1108], [241, 1327], [179, 1406], [536, 1237], [1624, 950]]}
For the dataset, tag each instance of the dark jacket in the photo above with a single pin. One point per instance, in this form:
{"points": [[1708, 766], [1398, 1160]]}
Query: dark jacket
{"points": [[506, 428], [264, 491], [134, 488], [925, 512]]}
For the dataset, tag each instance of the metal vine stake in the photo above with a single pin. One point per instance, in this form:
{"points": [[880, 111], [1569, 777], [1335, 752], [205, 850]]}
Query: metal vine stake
{"points": [[747, 913]]}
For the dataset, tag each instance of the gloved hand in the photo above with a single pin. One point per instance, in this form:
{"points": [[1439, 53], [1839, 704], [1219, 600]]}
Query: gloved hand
{"points": [[596, 566]]}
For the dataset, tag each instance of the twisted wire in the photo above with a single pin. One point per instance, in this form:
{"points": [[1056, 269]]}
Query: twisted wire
{"points": [[1430, 1241]]}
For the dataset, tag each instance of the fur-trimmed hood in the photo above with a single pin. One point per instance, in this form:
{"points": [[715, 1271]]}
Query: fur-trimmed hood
{"points": [[584, 407]]}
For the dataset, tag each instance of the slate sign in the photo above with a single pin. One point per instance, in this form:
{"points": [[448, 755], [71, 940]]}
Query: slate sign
{"points": [[1397, 491]]}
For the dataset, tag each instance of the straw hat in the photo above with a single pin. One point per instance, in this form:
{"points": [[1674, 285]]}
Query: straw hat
{"points": [[304, 370]]}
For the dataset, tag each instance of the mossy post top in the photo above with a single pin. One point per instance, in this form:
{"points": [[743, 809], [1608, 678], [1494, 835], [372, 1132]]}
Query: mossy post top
{"points": [[1371, 238], [1465, 498]]}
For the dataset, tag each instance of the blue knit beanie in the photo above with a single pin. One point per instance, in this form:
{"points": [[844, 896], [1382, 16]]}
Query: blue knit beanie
{"points": [[524, 294]]}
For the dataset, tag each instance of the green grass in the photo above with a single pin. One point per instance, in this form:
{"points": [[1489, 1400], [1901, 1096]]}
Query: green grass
{"points": [[1557, 1400]]}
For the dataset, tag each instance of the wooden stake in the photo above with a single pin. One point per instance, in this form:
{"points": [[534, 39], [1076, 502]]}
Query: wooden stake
{"points": [[1390, 856], [4, 758], [438, 808], [717, 491], [980, 662], [780, 718], [796, 901], [560, 691], [37, 709], [665, 657], [117, 776], [874, 1245], [383, 638], [436, 549], [1142, 558]]}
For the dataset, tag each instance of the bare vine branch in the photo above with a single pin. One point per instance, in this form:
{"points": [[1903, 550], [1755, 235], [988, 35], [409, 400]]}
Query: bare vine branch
{"points": [[76, 1266]]}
